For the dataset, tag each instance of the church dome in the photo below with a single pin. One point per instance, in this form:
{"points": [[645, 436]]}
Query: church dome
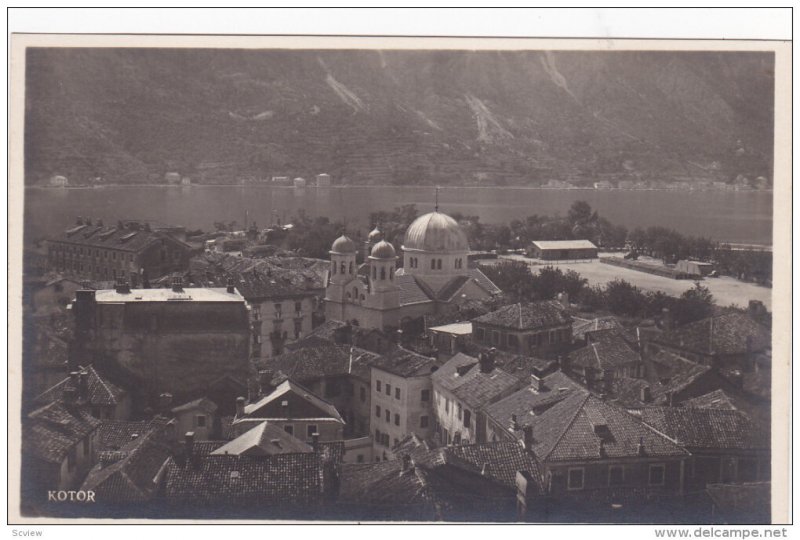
{"points": [[375, 235], [383, 250], [343, 245], [435, 232]]}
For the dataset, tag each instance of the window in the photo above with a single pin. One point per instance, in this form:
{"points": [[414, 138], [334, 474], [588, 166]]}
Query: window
{"points": [[479, 334], [616, 475], [333, 265], [374, 272], [360, 458], [656, 475], [575, 479], [86, 447], [342, 268], [278, 310], [351, 267], [467, 418], [396, 419], [378, 385], [298, 327], [388, 415], [446, 405], [378, 411], [433, 264], [298, 307], [378, 438], [311, 429], [423, 421], [459, 412], [388, 389], [396, 442], [289, 428], [200, 420], [363, 394], [496, 338], [513, 341], [72, 459], [396, 393], [383, 273], [425, 395], [457, 438]]}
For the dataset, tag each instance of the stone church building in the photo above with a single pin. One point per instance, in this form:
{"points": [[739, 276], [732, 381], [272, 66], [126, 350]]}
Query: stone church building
{"points": [[435, 276]]}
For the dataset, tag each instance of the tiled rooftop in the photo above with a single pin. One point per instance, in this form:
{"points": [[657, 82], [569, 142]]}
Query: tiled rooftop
{"points": [[288, 386], [707, 428], [573, 428], [544, 314], [723, 334], [50, 431], [221, 294], [264, 439], [607, 354], [406, 363], [101, 391], [462, 376]]}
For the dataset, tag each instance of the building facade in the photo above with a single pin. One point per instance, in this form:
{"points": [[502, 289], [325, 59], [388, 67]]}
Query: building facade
{"points": [[560, 250], [130, 251], [531, 329]]}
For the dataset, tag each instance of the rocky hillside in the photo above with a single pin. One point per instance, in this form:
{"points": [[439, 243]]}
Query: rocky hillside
{"points": [[458, 117]]}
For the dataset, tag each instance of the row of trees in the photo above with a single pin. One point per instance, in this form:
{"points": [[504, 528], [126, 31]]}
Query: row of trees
{"points": [[618, 297]]}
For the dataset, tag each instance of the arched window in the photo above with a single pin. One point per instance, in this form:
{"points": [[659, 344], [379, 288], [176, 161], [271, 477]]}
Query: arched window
{"points": [[341, 270], [333, 267], [433, 264], [383, 273], [374, 272], [351, 267], [439, 264], [391, 274], [355, 293]]}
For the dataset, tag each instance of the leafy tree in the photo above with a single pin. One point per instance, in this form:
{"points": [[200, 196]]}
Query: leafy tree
{"points": [[550, 281], [514, 278], [622, 298], [695, 304]]}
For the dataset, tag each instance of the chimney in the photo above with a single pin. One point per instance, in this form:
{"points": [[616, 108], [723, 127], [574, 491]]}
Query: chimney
{"points": [[189, 443], [240, 407], [83, 385], [537, 382], [164, 401], [315, 441], [231, 286], [177, 284], [755, 308], [514, 424], [640, 447], [74, 379], [666, 319], [645, 395], [70, 394], [406, 463], [486, 360], [527, 438]]}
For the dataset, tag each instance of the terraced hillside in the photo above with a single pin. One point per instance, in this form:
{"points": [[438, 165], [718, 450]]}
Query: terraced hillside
{"points": [[381, 117]]}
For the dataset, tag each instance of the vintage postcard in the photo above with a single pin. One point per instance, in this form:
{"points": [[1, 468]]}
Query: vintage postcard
{"points": [[399, 279]]}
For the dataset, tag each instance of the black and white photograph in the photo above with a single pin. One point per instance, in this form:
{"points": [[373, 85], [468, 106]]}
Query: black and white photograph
{"points": [[374, 280]]}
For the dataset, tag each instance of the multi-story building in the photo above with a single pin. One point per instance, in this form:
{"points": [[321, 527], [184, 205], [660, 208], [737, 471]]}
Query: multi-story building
{"points": [[531, 329], [401, 399], [462, 388], [184, 342], [131, 251], [280, 313]]}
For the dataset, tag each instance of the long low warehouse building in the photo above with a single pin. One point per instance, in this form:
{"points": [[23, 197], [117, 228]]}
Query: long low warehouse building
{"points": [[559, 250]]}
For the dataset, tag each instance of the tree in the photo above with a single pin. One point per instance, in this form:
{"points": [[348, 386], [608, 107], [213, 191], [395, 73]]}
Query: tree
{"points": [[580, 213], [550, 281], [514, 278], [695, 304], [624, 299]]}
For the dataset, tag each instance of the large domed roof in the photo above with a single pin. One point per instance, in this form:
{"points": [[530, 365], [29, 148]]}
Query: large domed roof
{"points": [[383, 250], [435, 232], [343, 245]]}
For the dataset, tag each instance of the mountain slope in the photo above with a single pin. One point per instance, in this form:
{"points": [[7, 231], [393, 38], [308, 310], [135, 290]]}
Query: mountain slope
{"points": [[455, 117]]}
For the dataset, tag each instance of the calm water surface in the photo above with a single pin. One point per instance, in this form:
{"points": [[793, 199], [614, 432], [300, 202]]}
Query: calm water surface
{"points": [[744, 217]]}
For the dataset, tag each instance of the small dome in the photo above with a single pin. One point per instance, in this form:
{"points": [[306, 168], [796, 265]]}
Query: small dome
{"points": [[383, 250], [343, 245], [375, 235], [435, 232]]}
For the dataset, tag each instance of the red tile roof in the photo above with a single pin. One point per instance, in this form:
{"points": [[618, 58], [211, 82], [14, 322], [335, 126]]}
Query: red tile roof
{"points": [[50, 431], [723, 334], [101, 391], [707, 428]]}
